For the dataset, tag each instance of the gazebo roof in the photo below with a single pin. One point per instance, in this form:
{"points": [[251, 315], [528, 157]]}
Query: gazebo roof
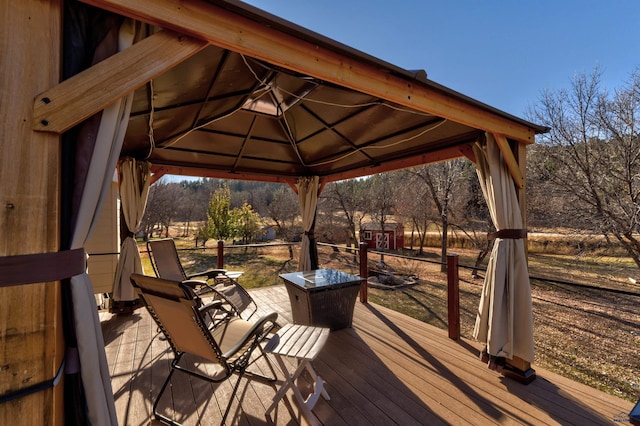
{"points": [[200, 86], [251, 96]]}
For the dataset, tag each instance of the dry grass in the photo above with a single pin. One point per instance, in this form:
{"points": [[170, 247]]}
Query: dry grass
{"points": [[588, 335]]}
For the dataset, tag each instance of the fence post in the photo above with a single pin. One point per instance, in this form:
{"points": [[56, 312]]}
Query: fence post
{"points": [[220, 254], [453, 296], [364, 272]]}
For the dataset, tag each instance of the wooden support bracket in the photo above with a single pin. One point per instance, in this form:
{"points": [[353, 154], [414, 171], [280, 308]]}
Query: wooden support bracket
{"points": [[510, 159], [70, 102]]}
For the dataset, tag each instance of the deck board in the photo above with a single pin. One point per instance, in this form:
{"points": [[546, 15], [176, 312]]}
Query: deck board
{"points": [[386, 369]]}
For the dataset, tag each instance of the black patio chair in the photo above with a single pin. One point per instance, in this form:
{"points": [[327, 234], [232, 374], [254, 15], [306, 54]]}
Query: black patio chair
{"points": [[182, 318], [166, 264]]}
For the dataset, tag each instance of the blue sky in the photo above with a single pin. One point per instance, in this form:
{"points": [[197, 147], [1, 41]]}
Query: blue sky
{"points": [[503, 53]]}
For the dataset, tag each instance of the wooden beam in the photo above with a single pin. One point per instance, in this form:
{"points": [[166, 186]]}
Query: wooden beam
{"points": [[237, 33], [510, 159], [321, 185], [219, 174], [157, 175], [428, 158], [521, 159], [31, 334], [467, 151], [67, 104]]}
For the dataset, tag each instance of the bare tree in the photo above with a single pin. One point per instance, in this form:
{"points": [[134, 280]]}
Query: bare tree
{"points": [[591, 155], [441, 180], [284, 209], [381, 199], [416, 207], [162, 205], [260, 200], [475, 220], [347, 198], [188, 209]]}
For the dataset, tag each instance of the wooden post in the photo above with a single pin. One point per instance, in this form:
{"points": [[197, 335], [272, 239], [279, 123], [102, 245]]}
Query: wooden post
{"points": [[364, 272], [220, 254], [31, 335], [453, 296]]}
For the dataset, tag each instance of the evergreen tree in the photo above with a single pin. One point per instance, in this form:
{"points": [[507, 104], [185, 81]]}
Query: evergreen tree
{"points": [[220, 220]]}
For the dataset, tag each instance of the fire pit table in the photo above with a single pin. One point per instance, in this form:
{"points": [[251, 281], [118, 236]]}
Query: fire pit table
{"points": [[322, 297]]}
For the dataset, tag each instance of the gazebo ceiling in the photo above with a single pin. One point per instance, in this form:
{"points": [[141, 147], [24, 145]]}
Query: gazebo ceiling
{"points": [[268, 100], [234, 115]]}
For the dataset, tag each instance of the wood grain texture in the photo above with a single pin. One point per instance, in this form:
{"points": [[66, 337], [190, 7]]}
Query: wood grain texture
{"points": [[510, 160], [81, 96], [386, 369], [30, 315]]}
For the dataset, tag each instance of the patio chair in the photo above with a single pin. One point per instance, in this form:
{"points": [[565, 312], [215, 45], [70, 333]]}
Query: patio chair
{"points": [[181, 318], [166, 264]]}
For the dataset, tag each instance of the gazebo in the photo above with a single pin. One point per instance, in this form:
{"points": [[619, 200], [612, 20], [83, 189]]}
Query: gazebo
{"points": [[211, 89]]}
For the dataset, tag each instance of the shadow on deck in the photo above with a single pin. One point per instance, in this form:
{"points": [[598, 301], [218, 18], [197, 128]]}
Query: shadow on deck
{"points": [[387, 369]]}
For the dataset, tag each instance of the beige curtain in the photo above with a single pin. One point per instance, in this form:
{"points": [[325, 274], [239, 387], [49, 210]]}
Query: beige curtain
{"points": [[504, 321], [308, 197], [134, 179], [89, 358]]}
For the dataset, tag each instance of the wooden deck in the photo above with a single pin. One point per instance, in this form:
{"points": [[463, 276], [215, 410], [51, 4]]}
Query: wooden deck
{"points": [[386, 369]]}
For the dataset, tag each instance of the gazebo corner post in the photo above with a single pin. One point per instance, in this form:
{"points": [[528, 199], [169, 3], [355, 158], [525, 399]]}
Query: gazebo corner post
{"points": [[32, 338], [364, 272], [508, 333], [453, 296], [518, 368], [220, 254]]}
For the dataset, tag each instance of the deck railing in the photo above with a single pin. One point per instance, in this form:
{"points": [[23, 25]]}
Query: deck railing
{"points": [[363, 259]]}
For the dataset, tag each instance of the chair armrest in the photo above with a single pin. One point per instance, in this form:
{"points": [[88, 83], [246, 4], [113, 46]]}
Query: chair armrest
{"points": [[256, 330], [199, 287], [216, 304], [217, 312], [209, 273], [194, 283]]}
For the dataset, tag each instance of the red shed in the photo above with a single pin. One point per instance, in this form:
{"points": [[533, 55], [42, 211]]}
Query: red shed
{"points": [[391, 239]]}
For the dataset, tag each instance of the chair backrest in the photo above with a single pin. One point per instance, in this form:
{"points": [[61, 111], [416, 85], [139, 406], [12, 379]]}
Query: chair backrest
{"points": [[174, 307], [165, 261], [181, 317], [166, 264], [237, 297]]}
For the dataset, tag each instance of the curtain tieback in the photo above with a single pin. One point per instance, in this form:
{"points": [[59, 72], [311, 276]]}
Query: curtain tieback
{"points": [[511, 234], [41, 267]]}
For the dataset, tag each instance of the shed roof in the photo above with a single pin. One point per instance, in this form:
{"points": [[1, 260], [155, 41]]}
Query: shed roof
{"points": [[371, 226]]}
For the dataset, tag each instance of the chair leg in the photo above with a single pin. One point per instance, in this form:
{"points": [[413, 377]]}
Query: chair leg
{"points": [[259, 376], [162, 389], [233, 394], [270, 364]]}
